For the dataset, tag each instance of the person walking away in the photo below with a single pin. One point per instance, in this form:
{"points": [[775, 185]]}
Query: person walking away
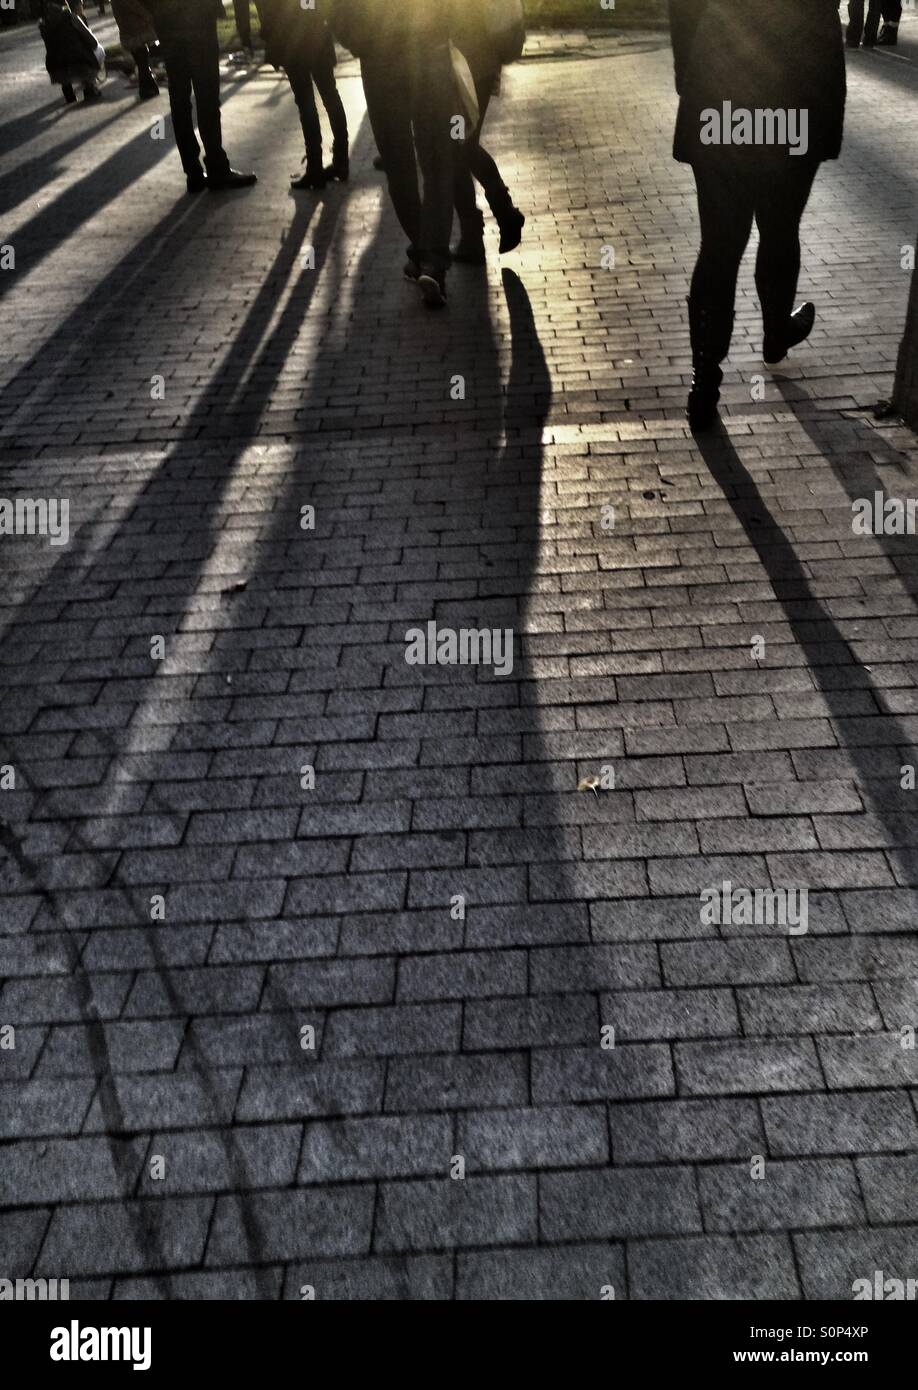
{"points": [[474, 37], [300, 42], [776, 59], [71, 51], [408, 80], [187, 31], [137, 34]]}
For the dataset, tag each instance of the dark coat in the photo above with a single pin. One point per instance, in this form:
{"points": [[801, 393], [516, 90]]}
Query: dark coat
{"points": [[387, 30], [70, 48], [175, 15], [774, 55], [293, 36]]}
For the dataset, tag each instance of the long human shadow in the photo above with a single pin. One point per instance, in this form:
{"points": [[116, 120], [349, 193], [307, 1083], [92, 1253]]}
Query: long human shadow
{"points": [[247, 370], [31, 175], [859, 476], [471, 483], [792, 586], [13, 131], [62, 218]]}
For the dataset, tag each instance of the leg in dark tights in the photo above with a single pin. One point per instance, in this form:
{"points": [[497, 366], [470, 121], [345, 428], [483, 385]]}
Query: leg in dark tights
{"points": [[726, 208], [780, 205], [474, 162]]}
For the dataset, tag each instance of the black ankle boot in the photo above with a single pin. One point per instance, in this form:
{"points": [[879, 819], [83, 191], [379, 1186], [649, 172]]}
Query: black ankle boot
{"points": [[711, 328], [889, 35], [781, 337], [508, 217], [313, 178], [339, 171]]}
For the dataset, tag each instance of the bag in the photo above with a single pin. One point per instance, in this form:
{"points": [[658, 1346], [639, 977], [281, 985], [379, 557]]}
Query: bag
{"points": [[507, 27], [465, 89]]}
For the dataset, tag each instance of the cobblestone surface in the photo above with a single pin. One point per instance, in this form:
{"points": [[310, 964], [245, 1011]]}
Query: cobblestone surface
{"points": [[177, 908]]}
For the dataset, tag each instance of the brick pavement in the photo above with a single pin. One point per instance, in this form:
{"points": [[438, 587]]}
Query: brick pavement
{"points": [[178, 908]]}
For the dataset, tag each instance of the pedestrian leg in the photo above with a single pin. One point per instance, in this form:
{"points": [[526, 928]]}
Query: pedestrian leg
{"points": [[433, 102], [780, 204], [385, 85], [176, 52], [299, 76], [725, 209], [324, 78], [204, 51]]}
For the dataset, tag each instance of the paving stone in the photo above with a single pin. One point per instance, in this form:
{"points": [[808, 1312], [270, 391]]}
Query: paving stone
{"points": [[713, 1267], [618, 1202], [831, 1262], [684, 1130], [809, 1192], [456, 1214], [571, 1272], [840, 1123]]}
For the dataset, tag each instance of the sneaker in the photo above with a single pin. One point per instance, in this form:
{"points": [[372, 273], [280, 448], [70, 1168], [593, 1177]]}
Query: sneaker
{"points": [[433, 289]]}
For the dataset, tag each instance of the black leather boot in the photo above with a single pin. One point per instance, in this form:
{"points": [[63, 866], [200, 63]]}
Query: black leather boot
{"points": [[508, 217], [889, 35], [781, 336], [711, 327]]}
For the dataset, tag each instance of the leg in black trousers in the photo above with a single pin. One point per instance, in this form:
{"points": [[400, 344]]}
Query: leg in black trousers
{"points": [[410, 101], [474, 162], [389, 109], [324, 78], [301, 77], [892, 14], [242, 14], [192, 56], [858, 27]]}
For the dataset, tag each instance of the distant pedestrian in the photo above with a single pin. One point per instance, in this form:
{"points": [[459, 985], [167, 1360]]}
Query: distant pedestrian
{"points": [[737, 65], [242, 14], [407, 71], [480, 45], [300, 42], [187, 31], [72, 52], [866, 28], [137, 34]]}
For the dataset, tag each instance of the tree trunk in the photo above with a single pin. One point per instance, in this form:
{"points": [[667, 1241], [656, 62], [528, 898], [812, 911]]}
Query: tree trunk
{"points": [[906, 395]]}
